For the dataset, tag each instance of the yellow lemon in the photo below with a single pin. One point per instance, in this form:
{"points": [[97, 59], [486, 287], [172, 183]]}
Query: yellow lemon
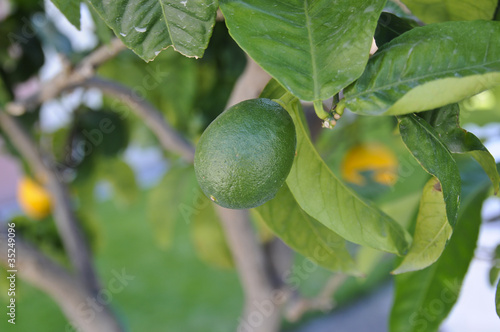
{"points": [[370, 157], [33, 198]]}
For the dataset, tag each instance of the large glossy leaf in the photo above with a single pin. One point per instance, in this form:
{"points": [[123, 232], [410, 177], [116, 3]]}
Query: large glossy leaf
{"points": [[445, 122], [418, 294], [325, 198], [428, 67], [433, 11], [70, 9], [313, 48], [208, 236], [150, 26], [426, 146], [431, 233], [304, 234]]}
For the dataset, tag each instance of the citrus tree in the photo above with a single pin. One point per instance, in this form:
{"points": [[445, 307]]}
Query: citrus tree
{"points": [[391, 183]]}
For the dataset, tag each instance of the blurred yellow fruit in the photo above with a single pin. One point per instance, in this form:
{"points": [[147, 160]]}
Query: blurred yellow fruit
{"points": [[33, 198], [370, 157]]}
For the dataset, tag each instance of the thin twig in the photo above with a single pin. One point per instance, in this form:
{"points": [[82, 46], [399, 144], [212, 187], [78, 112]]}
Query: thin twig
{"points": [[298, 306], [248, 254], [69, 291], [44, 273], [261, 297], [168, 137], [65, 219], [67, 77]]}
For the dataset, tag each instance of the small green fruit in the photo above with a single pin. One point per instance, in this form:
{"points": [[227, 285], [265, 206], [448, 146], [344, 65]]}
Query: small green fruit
{"points": [[245, 154]]}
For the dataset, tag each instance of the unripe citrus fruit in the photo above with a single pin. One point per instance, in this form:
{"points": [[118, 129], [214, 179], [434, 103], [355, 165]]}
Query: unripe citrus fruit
{"points": [[33, 198], [245, 154], [370, 157]]}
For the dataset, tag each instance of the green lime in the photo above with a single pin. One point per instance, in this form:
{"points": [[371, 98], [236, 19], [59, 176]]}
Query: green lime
{"points": [[245, 154]]}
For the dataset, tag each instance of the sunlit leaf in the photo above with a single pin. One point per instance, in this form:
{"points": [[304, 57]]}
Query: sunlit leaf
{"points": [[418, 293], [433, 11], [304, 234], [428, 67], [313, 48], [431, 233], [325, 198]]}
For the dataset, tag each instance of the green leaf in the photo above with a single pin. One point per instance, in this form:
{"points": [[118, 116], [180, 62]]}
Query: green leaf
{"points": [[495, 268], [102, 31], [445, 122], [325, 198], [4, 94], [150, 26], [434, 11], [70, 9], [497, 299], [494, 274], [431, 233], [208, 236], [426, 146], [417, 294], [390, 26], [428, 67], [313, 48], [171, 201], [304, 234]]}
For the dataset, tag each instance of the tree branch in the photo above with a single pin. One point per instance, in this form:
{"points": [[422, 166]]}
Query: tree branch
{"points": [[248, 254], [250, 84], [69, 291], [66, 222], [67, 77], [168, 137], [262, 299], [47, 275], [298, 305]]}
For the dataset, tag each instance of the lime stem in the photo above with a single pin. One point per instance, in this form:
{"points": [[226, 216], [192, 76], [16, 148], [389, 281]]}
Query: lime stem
{"points": [[320, 111]]}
